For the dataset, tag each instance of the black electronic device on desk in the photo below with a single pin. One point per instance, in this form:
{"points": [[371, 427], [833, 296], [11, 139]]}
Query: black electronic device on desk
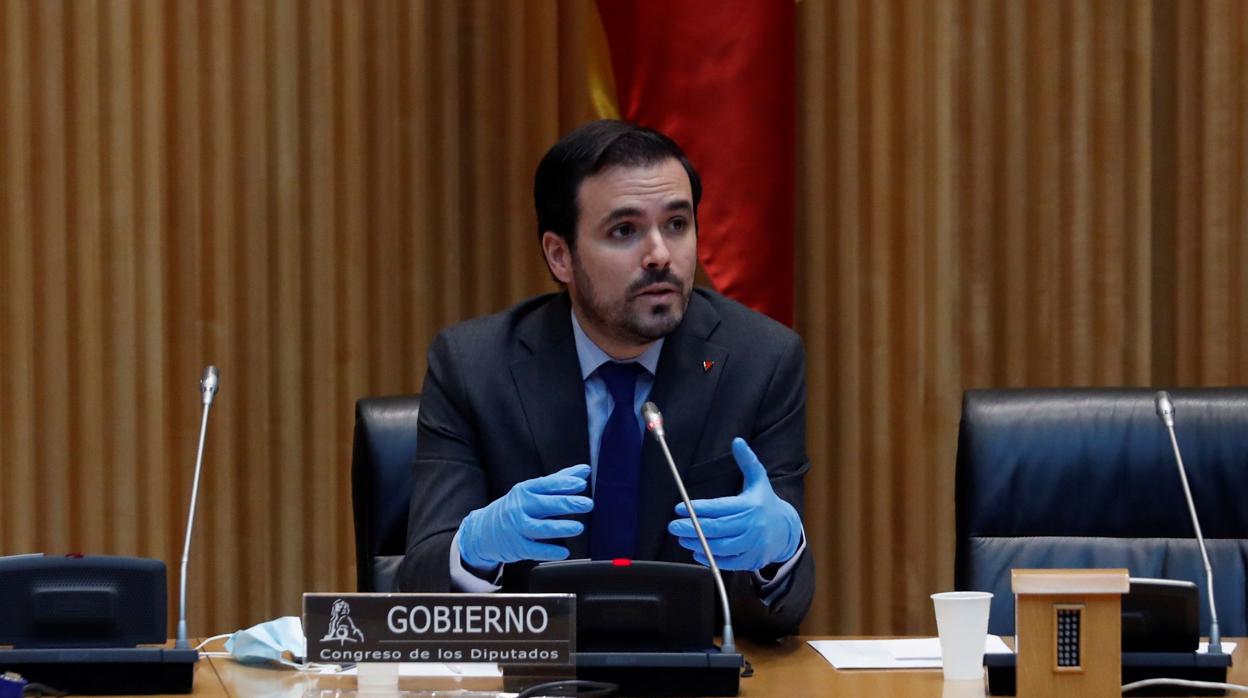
{"points": [[1160, 636], [76, 623], [648, 627]]}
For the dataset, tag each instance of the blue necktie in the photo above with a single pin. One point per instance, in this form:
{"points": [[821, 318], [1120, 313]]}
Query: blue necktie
{"points": [[613, 523]]}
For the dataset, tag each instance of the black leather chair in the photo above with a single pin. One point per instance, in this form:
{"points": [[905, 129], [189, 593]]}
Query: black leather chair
{"points": [[1087, 478], [381, 486]]}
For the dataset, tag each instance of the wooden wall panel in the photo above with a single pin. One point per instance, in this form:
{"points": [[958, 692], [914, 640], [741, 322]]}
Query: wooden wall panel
{"points": [[999, 193], [299, 192], [990, 193]]}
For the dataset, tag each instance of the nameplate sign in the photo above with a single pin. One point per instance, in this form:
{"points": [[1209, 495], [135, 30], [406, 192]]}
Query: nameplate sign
{"points": [[461, 628]]}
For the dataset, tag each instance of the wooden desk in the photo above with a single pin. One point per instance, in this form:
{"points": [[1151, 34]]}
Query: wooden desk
{"points": [[207, 681], [787, 670], [792, 668]]}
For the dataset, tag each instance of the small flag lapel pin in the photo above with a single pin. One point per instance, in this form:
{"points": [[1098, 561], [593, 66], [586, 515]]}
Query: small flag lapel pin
{"points": [[707, 366]]}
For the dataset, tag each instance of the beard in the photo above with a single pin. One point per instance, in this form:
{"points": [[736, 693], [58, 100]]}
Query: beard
{"points": [[628, 320]]}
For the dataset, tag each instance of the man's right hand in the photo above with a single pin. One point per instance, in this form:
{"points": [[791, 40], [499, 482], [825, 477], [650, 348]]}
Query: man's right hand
{"points": [[511, 528]]}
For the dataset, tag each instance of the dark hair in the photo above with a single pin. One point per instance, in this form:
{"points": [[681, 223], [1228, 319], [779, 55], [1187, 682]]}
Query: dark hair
{"points": [[588, 150]]}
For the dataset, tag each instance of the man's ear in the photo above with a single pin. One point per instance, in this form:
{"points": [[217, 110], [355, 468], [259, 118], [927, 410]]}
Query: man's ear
{"points": [[558, 256]]}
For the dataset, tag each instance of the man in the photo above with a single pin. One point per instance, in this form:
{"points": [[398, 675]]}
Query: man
{"points": [[531, 445]]}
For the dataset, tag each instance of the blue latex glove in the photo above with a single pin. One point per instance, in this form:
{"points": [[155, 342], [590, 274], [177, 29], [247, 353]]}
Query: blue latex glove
{"points": [[747, 531], [509, 528]]}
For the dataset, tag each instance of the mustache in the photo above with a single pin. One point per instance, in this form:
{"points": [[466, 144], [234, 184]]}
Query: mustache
{"points": [[655, 276]]}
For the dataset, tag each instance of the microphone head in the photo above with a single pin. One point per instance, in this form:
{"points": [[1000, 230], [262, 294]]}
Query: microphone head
{"points": [[208, 384], [654, 419], [1165, 408]]}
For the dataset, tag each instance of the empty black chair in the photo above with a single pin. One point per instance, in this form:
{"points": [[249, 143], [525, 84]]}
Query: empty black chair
{"points": [[381, 486], [1087, 478]]}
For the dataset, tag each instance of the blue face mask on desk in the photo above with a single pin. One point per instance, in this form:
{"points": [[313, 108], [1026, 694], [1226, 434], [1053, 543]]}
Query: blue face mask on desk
{"points": [[268, 642]]}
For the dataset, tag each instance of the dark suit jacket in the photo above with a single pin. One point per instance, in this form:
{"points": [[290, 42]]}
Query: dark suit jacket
{"points": [[503, 401]]}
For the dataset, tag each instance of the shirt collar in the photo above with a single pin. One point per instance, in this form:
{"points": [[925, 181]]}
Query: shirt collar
{"points": [[591, 356]]}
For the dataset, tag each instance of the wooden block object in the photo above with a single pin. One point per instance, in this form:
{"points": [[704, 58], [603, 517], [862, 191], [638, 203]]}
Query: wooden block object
{"points": [[1069, 632]]}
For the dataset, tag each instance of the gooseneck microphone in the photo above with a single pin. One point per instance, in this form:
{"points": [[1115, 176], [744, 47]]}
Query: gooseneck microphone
{"points": [[1165, 410], [208, 390], [654, 425]]}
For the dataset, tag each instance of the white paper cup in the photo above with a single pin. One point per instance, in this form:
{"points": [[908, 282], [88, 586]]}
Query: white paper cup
{"points": [[962, 621]]}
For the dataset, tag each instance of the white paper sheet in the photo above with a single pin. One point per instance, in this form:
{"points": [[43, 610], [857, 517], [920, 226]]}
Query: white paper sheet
{"points": [[1227, 648], [912, 653]]}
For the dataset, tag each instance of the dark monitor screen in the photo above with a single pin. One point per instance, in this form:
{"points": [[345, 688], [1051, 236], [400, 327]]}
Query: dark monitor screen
{"points": [[634, 605], [1160, 615], [81, 601]]}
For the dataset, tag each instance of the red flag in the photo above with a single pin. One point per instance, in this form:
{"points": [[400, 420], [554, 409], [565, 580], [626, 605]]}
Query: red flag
{"points": [[718, 77]]}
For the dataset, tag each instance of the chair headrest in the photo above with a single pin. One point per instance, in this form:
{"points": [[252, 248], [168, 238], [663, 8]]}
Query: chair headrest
{"points": [[1104, 456], [381, 473]]}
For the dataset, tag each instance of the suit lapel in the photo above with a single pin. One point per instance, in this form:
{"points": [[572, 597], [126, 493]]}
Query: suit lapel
{"points": [[553, 395], [684, 387]]}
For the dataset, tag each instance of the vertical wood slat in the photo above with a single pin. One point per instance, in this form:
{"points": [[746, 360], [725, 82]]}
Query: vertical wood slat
{"points": [[418, 196], [1189, 224], [515, 72], [911, 264], [181, 264], [20, 527], [382, 162], [847, 303], [877, 255], [120, 205], [156, 530], [328, 569], [1076, 285], [1139, 163], [51, 252], [88, 512], [812, 88], [1107, 290], [1041, 190], [1239, 317], [253, 408], [351, 345], [989, 194], [286, 305], [1163, 181], [944, 375], [1216, 152], [977, 197], [481, 221], [220, 510], [1010, 235], [450, 215]]}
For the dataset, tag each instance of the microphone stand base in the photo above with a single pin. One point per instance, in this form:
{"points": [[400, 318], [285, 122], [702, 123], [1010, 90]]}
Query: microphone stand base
{"points": [[1136, 666], [106, 671], [705, 673]]}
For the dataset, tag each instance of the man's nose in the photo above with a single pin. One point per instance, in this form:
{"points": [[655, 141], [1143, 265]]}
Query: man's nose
{"points": [[657, 255]]}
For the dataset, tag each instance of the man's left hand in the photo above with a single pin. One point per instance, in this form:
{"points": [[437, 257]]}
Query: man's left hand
{"points": [[747, 531]]}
